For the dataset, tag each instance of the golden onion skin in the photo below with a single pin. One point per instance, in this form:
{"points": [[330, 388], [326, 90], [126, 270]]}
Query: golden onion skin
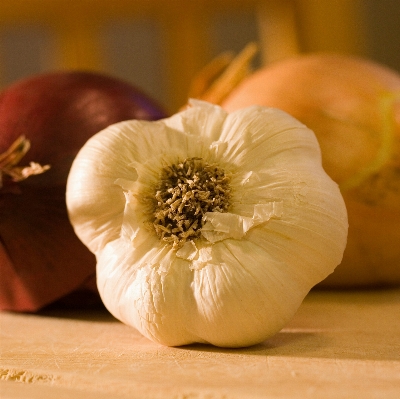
{"points": [[353, 107]]}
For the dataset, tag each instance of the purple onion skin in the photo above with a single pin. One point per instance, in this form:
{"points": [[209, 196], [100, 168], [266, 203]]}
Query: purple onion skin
{"points": [[41, 259]]}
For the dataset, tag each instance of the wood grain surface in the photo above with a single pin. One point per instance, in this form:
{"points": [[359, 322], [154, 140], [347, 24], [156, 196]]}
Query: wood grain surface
{"points": [[339, 345]]}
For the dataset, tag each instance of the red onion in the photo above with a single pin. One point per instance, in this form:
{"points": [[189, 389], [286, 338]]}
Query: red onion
{"points": [[41, 259]]}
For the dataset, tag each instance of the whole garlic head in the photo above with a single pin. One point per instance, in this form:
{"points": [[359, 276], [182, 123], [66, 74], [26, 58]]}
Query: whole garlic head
{"points": [[207, 227]]}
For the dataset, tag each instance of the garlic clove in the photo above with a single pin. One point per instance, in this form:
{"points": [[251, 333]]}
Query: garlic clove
{"points": [[147, 287]]}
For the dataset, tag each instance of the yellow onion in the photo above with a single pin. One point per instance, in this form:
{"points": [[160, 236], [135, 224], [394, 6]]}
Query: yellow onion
{"points": [[353, 106]]}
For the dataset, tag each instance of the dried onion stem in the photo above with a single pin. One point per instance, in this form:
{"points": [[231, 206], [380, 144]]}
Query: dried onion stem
{"points": [[12, 156], [218, 78]]}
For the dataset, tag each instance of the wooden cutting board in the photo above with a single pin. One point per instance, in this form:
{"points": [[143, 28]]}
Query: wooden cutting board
{"points": [[339, 345]]}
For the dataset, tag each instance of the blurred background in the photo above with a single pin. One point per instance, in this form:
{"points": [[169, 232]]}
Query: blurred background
{"points": [[159, 45]]}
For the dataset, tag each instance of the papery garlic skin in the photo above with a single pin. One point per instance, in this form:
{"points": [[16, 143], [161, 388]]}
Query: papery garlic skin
{"points": [[247, 274]]}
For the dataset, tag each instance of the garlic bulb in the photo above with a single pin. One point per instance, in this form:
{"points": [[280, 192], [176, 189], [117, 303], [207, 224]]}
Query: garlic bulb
{"points": [[207, 227]]}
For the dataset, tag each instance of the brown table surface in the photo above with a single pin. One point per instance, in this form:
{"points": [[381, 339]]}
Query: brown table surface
{"points": [[339, 345]]}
